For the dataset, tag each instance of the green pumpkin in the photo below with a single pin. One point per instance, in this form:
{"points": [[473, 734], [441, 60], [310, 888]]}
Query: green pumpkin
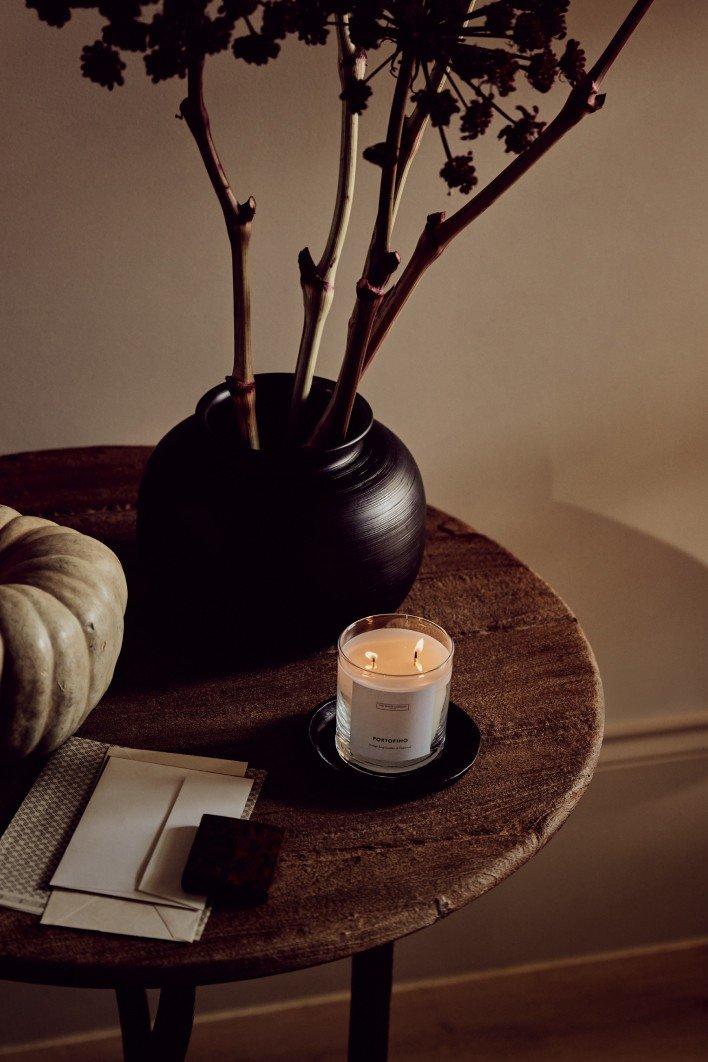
{"points": [[62, 602]]}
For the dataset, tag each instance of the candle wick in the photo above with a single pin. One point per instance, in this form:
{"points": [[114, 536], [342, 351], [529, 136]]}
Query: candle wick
{"points": [[419, 646], [372, 658]]}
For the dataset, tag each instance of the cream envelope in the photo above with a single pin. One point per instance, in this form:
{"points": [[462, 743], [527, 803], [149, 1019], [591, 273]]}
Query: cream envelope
{"points": [[118, 829], [113, 842], [105, 914], [200, 794]]}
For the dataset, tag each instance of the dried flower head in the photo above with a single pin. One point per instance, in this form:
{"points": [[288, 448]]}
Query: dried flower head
{"points": [[572, 62], [438, 106], [102, 64], [459, 172], [464, 59], [521, 134], [542, 70], [477, 119], [356, 94]]}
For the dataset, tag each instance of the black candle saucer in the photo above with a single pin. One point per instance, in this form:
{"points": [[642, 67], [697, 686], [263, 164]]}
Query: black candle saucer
{"points": [[462, 741]]}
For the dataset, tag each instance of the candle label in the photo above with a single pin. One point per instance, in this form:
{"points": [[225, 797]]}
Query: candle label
{"points": [[388, 727]]}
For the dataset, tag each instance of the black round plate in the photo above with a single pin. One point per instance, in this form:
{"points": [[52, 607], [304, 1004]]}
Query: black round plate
{"points": [[462, 742]]}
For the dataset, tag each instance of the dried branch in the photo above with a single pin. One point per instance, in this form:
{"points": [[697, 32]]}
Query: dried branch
{"points": [[377, 264], [416, 123], [317, 280], [381, 263], [413, 131], [238, 218], [333, 426], [583, 99]]}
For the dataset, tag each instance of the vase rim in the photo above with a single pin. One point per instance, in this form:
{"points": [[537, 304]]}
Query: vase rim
{"points": [[362, 411]]}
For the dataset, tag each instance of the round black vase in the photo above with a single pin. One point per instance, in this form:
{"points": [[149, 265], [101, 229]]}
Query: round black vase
{"points": [[266, 552]]}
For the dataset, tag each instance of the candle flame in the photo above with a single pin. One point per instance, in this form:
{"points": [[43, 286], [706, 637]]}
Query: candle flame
{"points": [[372, 658], [419, 646]]}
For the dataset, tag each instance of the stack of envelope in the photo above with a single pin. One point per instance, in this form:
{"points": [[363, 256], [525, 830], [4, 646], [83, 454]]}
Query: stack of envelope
{"points": [[122, 868]]}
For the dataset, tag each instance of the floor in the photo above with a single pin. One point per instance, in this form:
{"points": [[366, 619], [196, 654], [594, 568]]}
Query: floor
{"points": [[645, 1007]]}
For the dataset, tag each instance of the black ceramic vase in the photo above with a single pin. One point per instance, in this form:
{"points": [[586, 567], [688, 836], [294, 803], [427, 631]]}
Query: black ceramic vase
{"points": [[271, 551]]}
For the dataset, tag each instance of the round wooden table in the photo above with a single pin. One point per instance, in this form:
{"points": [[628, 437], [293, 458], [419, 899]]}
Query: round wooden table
{"points": [[354, 875]]}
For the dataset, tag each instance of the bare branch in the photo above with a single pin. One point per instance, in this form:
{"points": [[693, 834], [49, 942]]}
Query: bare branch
{"points": [[334, 424], [584, 99], [317, 280], [352, 64], [413, 131], [381, 263], [416, 123], [238, 218], [387, 189]]}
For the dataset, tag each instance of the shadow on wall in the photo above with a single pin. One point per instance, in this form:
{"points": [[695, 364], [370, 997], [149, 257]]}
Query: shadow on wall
{"points": [[640, 600], [642, 603]]}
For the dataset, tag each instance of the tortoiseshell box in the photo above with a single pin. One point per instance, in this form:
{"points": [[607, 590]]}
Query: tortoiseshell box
{"points": [[232, 860]]}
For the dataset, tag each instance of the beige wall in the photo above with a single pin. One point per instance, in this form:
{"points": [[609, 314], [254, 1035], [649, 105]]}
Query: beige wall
{"points": [[548, 377]]}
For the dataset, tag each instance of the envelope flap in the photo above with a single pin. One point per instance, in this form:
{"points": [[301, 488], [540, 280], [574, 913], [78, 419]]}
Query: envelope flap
{"points": [[106, 914], [234, 768], [200, 794]]}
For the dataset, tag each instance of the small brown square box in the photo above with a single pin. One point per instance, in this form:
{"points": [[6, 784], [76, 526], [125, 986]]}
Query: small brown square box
{"points": [[232, 860]]}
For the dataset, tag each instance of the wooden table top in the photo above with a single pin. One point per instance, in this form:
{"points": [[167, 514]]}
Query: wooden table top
{"points": [[353, 874]]}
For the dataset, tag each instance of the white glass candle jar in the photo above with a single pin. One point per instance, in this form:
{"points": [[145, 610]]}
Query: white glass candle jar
{"points": [[393, 689]]}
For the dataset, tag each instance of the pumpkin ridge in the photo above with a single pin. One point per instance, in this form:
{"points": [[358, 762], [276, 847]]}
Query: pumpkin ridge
{"points": [[66, 636], [6, 515], [27, 570], [47, 528], [18, 526], [36, 540], [26, 688], [62, 599], [43, 709], [103, 616]]}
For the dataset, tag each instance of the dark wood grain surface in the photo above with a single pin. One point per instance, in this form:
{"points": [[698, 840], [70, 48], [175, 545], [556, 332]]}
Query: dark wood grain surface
{"points": [[352, 874]]}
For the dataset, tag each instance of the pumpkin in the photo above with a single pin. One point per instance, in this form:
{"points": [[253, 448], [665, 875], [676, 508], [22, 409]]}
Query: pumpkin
{"points": [[62, 602]]}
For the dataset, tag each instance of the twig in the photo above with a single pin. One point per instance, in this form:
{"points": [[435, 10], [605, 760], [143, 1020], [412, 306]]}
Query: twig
{"points": [[583, 99], [413, 132], [317, 280], [416, 123], [377, 267], [238, 218], [380, 265], [332, 428]]}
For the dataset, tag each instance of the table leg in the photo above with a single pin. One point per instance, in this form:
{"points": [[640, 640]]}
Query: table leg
{"points": [[168, 1039], [372, 973], [173, 1024], [134, 1014]]}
